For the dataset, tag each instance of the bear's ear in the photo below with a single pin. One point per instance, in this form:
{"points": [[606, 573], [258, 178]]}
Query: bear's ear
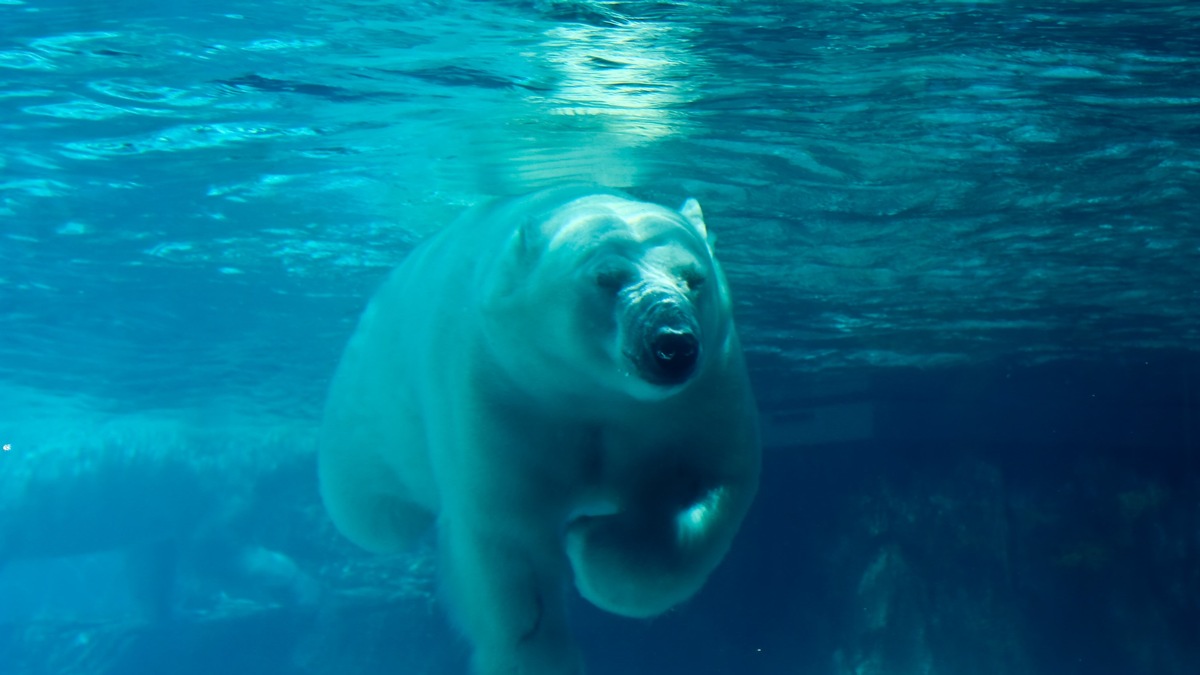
{"points": [[691, 212], [520, 240], [514, 263], [525, 241]]}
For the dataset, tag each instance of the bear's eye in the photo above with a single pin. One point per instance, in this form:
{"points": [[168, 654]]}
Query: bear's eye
{"points": [[613, 277], [693, 278]]}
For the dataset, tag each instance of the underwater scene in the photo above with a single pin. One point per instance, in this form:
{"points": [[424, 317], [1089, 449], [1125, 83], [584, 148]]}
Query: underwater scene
{"points": [[726, 337]]}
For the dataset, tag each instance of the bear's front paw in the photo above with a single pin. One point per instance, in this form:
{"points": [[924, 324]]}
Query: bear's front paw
{"points": [[695, 522]]}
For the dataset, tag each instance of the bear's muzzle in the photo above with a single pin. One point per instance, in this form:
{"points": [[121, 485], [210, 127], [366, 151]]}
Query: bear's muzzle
{"points": [[675, 353], [661, 337]]}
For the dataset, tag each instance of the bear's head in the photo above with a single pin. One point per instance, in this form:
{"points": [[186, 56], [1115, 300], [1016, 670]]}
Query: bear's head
{"points": [[604, 295]]}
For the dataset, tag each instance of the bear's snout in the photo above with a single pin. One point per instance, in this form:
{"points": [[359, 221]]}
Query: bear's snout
{"points": [[662, 338], [675, 353]]}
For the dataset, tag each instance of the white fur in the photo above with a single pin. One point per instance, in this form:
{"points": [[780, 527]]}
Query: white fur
{"points": [[489, 386]]}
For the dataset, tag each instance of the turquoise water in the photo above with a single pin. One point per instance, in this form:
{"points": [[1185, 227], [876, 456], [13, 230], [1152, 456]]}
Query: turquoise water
{"points": [[891, 183], [197, 198]]}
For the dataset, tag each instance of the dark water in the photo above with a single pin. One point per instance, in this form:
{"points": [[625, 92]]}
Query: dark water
{"points": [[963, 238]]}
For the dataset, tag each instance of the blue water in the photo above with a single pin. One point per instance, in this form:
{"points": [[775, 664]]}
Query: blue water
{"points": [[953, 229]]}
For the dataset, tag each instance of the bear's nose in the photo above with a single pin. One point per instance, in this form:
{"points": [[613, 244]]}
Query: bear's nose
{"points": [[675, 352]]}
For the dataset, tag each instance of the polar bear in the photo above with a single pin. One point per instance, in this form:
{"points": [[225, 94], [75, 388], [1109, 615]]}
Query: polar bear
{"points": [[555, 381]]}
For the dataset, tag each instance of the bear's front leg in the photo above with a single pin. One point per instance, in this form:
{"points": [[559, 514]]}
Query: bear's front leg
{"points": [[509, 601], [654, 553]]}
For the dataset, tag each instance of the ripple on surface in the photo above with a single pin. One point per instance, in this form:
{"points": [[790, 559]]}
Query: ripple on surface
{"points": [[181, 138], [23, 60], [79, 109], [145, 92]]}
